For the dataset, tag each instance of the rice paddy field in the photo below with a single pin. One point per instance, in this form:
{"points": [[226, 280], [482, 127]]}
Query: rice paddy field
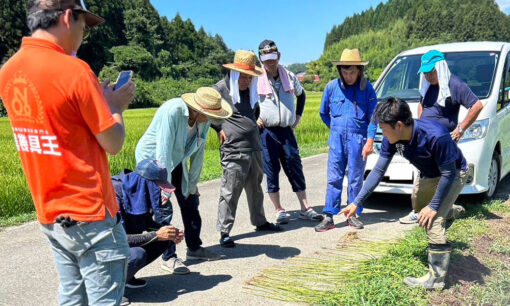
{"points": [[15, 200]]}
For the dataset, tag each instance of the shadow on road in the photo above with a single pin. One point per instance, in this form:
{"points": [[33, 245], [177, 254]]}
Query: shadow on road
{"points": [[252, 250], [166, 288]]}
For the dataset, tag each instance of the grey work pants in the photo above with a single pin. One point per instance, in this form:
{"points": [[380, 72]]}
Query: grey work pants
{"points": [[423, 192], [240, 170]]}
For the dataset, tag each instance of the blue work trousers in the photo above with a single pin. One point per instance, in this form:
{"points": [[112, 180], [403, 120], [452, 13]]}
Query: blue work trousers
{"points": [[279, 145], [344, 152]]}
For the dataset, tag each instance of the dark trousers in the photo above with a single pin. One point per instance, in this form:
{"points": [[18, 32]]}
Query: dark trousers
{"points": [[142, 256], [279, 146], [189, 212]]}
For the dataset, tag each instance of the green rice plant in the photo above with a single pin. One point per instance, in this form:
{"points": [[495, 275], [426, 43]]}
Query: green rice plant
{"points": [[16, 200], [371, 272], [360, 272]]}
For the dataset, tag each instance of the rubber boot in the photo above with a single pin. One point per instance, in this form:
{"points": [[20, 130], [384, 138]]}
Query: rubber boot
{"points": [[456, 212], [439, 258]]}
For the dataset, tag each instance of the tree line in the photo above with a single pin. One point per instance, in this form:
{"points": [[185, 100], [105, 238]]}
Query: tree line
{"points": [[170, 53], [398, 25]]}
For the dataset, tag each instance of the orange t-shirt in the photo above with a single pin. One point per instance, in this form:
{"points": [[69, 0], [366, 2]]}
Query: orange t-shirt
{"points": [[56, 107]]}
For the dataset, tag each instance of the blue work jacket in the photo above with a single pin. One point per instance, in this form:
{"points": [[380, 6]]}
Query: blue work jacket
{"points": [[349, 108]]}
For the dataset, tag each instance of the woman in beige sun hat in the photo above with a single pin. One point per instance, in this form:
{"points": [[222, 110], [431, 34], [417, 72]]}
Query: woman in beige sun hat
{"points": [[176, 138], [346, 108], [208, 101]]}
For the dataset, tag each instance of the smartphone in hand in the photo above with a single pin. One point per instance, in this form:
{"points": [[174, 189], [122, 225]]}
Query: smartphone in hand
{"points": [[123, 78]]}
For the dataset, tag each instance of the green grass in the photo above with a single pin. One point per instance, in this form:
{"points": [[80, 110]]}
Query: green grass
{"points": [[371, 272], [15, 200]]}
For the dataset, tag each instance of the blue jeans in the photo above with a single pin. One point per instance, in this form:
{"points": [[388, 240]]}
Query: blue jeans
{"points": [[279, 145], [91, 261], [344, 152]]}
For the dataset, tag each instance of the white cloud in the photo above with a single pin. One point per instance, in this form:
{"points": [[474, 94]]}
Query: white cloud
{"points": [[503, 4]]}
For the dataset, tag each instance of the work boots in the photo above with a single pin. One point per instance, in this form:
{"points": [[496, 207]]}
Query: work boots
{"points": [[439, 258]]}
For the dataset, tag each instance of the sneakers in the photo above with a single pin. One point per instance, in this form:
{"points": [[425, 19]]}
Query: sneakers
{"points": [[326, 224], [270, 227], [202, 254], [226, 241], [175, 265], [135, 283], [311, 215], [282, 217], [355, 222], [411, 218], [125, 301]]}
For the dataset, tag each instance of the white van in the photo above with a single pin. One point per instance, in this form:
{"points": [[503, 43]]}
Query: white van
{"points": [[485, 67]]}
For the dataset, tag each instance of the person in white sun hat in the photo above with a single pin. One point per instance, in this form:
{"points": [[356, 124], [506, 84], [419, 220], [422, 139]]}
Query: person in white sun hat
{"points": [[176, 135]]}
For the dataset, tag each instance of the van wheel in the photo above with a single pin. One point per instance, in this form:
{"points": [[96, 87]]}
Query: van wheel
{"points": [[493, 180]]}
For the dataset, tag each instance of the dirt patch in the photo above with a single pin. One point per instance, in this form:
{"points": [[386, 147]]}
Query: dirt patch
{"points": [[472, 266], [349, 237]]}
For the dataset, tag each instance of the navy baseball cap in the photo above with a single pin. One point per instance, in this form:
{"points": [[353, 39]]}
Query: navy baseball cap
{"points": [[153, 170], [91, 19]]}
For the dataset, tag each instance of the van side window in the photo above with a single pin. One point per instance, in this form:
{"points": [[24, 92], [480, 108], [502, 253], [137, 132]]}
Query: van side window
{"points": [[504, 97]]}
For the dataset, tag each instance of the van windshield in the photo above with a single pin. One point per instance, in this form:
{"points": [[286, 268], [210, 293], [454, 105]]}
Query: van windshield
{"points": [[475, 68]]}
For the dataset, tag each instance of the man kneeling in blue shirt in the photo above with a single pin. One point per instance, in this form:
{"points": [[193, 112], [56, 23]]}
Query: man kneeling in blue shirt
{"points": [[430, 148]]}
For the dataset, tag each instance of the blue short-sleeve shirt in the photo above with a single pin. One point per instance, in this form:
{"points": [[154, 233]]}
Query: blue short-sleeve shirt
{"points": [[430, 148], [448, 116]]}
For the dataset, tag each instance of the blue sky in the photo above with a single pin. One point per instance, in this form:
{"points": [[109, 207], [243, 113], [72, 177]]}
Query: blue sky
{"points": [[298, 27]]}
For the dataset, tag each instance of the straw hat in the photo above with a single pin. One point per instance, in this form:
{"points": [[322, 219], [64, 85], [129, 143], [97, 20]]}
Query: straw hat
{"points": [[244, 62], [350, 57], [208, 101]]}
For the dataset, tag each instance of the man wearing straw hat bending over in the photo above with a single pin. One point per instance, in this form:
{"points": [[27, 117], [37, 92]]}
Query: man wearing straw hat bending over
{"points": [[177, 134], [346, 108], [241, 159]]}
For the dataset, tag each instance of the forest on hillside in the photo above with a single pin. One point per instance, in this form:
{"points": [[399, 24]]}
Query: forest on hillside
{"points": [[398, 25], [169, 57]]}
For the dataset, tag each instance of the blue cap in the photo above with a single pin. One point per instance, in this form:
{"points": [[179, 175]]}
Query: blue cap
{"points": [[153, 170], [429, 60]]}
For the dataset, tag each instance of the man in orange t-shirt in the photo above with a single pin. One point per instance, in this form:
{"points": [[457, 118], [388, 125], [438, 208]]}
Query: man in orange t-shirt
{"points": [[63, 121]]}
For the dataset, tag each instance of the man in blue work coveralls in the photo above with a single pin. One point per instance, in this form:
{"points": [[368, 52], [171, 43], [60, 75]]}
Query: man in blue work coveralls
{"points": [[346, 108]]}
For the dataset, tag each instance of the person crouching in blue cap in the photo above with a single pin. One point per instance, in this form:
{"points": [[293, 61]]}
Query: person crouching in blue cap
{"points": [[346, 108], [442, 95], [145, 217]]}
